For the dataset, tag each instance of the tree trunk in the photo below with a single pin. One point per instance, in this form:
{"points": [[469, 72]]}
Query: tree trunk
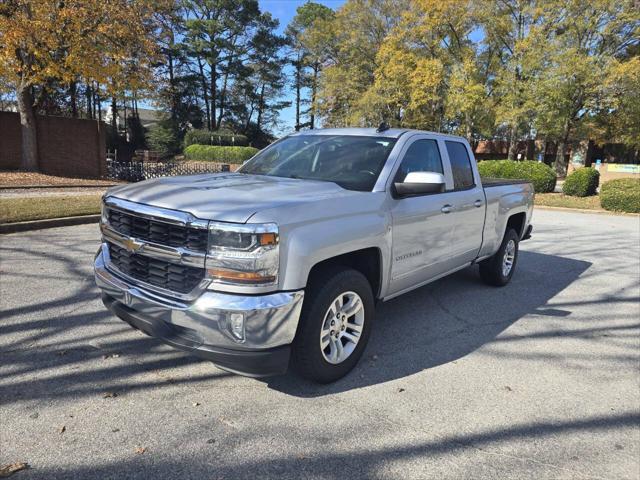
{"points": [[468, 128], [172, 87], [561, 161], [513, 142], [298, 80], [314, 90], [260, 108], [73, 94], [89, 101], [28, 128], [114, 115], [98, 104], [205, 95], [560, 164], [223, 94], [214, 91]]}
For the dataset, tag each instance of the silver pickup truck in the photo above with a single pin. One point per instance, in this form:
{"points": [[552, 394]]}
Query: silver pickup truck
{"points": [[283, 261]]}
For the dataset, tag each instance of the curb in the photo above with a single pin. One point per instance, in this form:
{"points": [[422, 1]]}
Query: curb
{"points": [[36, 187], [584, 210], [48, 223]]}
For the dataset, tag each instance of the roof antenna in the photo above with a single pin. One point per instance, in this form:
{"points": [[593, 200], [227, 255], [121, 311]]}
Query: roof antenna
{"points": [[382, 127]]}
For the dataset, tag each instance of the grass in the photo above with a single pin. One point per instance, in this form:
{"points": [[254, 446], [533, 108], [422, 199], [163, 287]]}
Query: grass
{"points": [[17, 178], [562, 200], [38, 208]]}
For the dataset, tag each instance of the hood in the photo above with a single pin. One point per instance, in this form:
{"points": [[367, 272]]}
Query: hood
{"points": [[227, 197]]}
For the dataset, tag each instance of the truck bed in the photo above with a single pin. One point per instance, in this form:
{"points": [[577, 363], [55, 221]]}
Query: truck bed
{"points": [[501, 182]]}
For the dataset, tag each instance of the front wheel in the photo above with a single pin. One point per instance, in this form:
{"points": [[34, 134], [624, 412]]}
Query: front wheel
{"points": [[335, 324], [498, 269]]}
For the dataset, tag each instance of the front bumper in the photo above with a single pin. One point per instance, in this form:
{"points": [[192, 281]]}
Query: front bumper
{"points": [[199, 326]]}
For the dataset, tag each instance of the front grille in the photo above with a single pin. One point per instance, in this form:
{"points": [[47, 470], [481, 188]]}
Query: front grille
{"points": [[158, 232], [170, 276]]}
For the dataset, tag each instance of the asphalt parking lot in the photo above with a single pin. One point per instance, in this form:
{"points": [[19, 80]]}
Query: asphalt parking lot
{"points": [[538, 380]]}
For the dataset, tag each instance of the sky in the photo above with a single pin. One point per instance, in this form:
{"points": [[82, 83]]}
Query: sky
{"points": [[284, 11]]}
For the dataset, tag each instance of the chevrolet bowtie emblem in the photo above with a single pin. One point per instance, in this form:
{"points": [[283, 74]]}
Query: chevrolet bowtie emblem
{"points": [[132, 245]]}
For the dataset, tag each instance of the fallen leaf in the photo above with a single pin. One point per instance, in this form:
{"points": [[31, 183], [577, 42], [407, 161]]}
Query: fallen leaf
{"points": [[400, 390], [140, 450], [508, 388], [110, 395], [63, 429], [10, 469], [226, 422], [211, 440]]}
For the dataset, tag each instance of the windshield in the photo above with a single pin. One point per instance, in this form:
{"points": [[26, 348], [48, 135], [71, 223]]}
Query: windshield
{"points": [[352, 162]]}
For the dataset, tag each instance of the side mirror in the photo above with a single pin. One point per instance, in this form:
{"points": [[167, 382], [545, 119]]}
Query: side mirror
{"points": [[420, 183]]}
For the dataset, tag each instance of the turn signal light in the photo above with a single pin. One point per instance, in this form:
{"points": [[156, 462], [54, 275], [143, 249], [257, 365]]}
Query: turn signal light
{"points": [[240, 277], [267, 239]]}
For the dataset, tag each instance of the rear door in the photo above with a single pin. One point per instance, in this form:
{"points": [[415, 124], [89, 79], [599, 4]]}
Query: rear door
{"points": [[421, 227], [467, 203]]}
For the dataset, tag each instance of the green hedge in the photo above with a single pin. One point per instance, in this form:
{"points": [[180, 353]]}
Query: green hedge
{"points": [[212, 153], [582, 183], [541, 175], [622, 194], [219, 137]]}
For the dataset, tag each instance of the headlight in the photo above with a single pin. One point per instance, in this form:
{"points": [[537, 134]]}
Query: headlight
{"points": [[104, 217], [246, 255]]}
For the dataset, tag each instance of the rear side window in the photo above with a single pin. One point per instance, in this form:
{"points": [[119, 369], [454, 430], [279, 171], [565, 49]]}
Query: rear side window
{"points": [[422, 156], [460, 165]]}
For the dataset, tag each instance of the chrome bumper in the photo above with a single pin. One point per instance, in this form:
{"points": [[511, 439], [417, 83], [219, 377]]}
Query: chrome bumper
{"points": [[201, 325]]}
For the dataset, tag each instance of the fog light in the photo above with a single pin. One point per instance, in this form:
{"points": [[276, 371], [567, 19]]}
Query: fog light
{"points": [[233, 325]]}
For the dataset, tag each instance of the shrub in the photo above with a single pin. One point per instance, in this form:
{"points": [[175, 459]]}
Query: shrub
{"points": [[219, 137], [541, 175], [622, 194], [163, 138], [582, 183], [212, 153]]}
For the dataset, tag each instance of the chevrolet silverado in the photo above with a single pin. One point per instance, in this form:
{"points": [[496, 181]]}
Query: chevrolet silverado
{"points": [[283, 261]]}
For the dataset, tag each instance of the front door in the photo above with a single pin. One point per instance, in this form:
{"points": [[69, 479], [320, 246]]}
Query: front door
{"points": [[421, 228]]}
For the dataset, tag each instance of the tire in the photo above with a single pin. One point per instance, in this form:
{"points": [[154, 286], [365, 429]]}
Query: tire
{"points": [[491, 269], [309, 358]]}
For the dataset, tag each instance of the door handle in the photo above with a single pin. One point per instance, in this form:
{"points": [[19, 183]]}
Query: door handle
{"points": [[446, 209], [478, 203]]}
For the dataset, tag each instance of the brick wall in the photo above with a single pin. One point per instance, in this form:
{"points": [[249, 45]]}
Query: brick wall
{"points": [[499, 149], [10, 138], [70, 147]]}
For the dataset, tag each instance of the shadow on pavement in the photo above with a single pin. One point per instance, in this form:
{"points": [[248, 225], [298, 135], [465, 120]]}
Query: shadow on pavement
{"points": [[332, 464], [447, 320]]}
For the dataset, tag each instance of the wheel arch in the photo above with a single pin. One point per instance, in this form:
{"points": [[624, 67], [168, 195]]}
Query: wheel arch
{"points": [[367, 261], [517, 221]]}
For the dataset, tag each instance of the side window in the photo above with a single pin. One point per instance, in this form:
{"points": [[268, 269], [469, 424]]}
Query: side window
{"points": [[422, 156], [460, 165]]}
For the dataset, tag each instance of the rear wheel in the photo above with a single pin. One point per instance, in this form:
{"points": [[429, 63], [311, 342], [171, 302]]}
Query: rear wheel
{"points": [[335, 324], [498, 269]]}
